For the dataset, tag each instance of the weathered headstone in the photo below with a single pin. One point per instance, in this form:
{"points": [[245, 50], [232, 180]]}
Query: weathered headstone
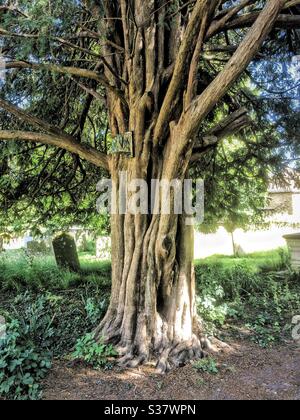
{"points": [[37, 247], [65, 252], [293, 242], [82, 242], [103, 248]]}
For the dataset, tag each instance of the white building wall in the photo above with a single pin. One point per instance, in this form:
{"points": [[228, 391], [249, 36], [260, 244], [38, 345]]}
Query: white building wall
{"points": [[296, 207], [18, 243], [220, 243]]}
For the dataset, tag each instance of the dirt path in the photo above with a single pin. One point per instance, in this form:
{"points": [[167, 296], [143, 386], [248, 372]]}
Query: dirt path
{"points": [[246, 373]]}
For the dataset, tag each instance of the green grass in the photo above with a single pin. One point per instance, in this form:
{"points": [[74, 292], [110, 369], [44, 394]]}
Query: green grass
{"points": [[89, 264], [18, 271], [257, 262]]}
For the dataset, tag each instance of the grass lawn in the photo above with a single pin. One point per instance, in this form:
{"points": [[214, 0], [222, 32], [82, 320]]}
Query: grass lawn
{"points": [[259, 261], [18, 269]]}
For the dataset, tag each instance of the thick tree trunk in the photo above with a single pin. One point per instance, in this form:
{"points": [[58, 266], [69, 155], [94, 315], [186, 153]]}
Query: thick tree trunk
{"points": [[152, 313]]}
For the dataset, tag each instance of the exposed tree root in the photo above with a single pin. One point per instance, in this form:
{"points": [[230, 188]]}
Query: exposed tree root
{"points": [[219, 345], [179, 355], [167, 354]]}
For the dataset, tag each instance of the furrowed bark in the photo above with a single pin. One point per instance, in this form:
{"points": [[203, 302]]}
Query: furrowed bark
{"points": [[182, 60], [152, 312]]}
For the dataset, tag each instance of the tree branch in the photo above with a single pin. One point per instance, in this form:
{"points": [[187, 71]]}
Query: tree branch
{"points": [[232, 124], [90, 90], [249, 47], [24, 116], [282, 22], [185, 51], [217, 25], [67, 43], [73, 71], [292, 3], [13, 10], [84, 151], [192, 80]]}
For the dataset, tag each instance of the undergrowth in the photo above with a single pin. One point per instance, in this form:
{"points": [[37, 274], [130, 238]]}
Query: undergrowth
{"points": [[207, 365], [95, 354], [259, 291], [48, 309]]}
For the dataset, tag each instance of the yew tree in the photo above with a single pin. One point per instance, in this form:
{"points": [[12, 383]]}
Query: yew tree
{"points": [[174, 74]]}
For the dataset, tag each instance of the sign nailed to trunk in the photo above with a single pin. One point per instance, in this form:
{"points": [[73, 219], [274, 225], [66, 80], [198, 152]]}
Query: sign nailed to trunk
{"points": [[123, 144]]}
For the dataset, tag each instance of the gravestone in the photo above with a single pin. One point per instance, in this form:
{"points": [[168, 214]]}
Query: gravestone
{"points": [[293, 242], [37, 247], [82, 242], [103, 248], [65, 252]]}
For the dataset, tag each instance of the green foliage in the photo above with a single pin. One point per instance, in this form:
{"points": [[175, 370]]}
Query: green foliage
{"points": [[90, 265], [57, 308], [235, 199], [49, 328], [211, 308], [253, 291], [266, 330], [207, 365], [95, 310], [93, 353], [75, 302], [25, 357], [18, 270], [239, 277], [33, 179], [72, 312], [229, 289]]}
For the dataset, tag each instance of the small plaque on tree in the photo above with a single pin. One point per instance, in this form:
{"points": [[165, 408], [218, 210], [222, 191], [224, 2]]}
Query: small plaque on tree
{"points": [[123, 144]]}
